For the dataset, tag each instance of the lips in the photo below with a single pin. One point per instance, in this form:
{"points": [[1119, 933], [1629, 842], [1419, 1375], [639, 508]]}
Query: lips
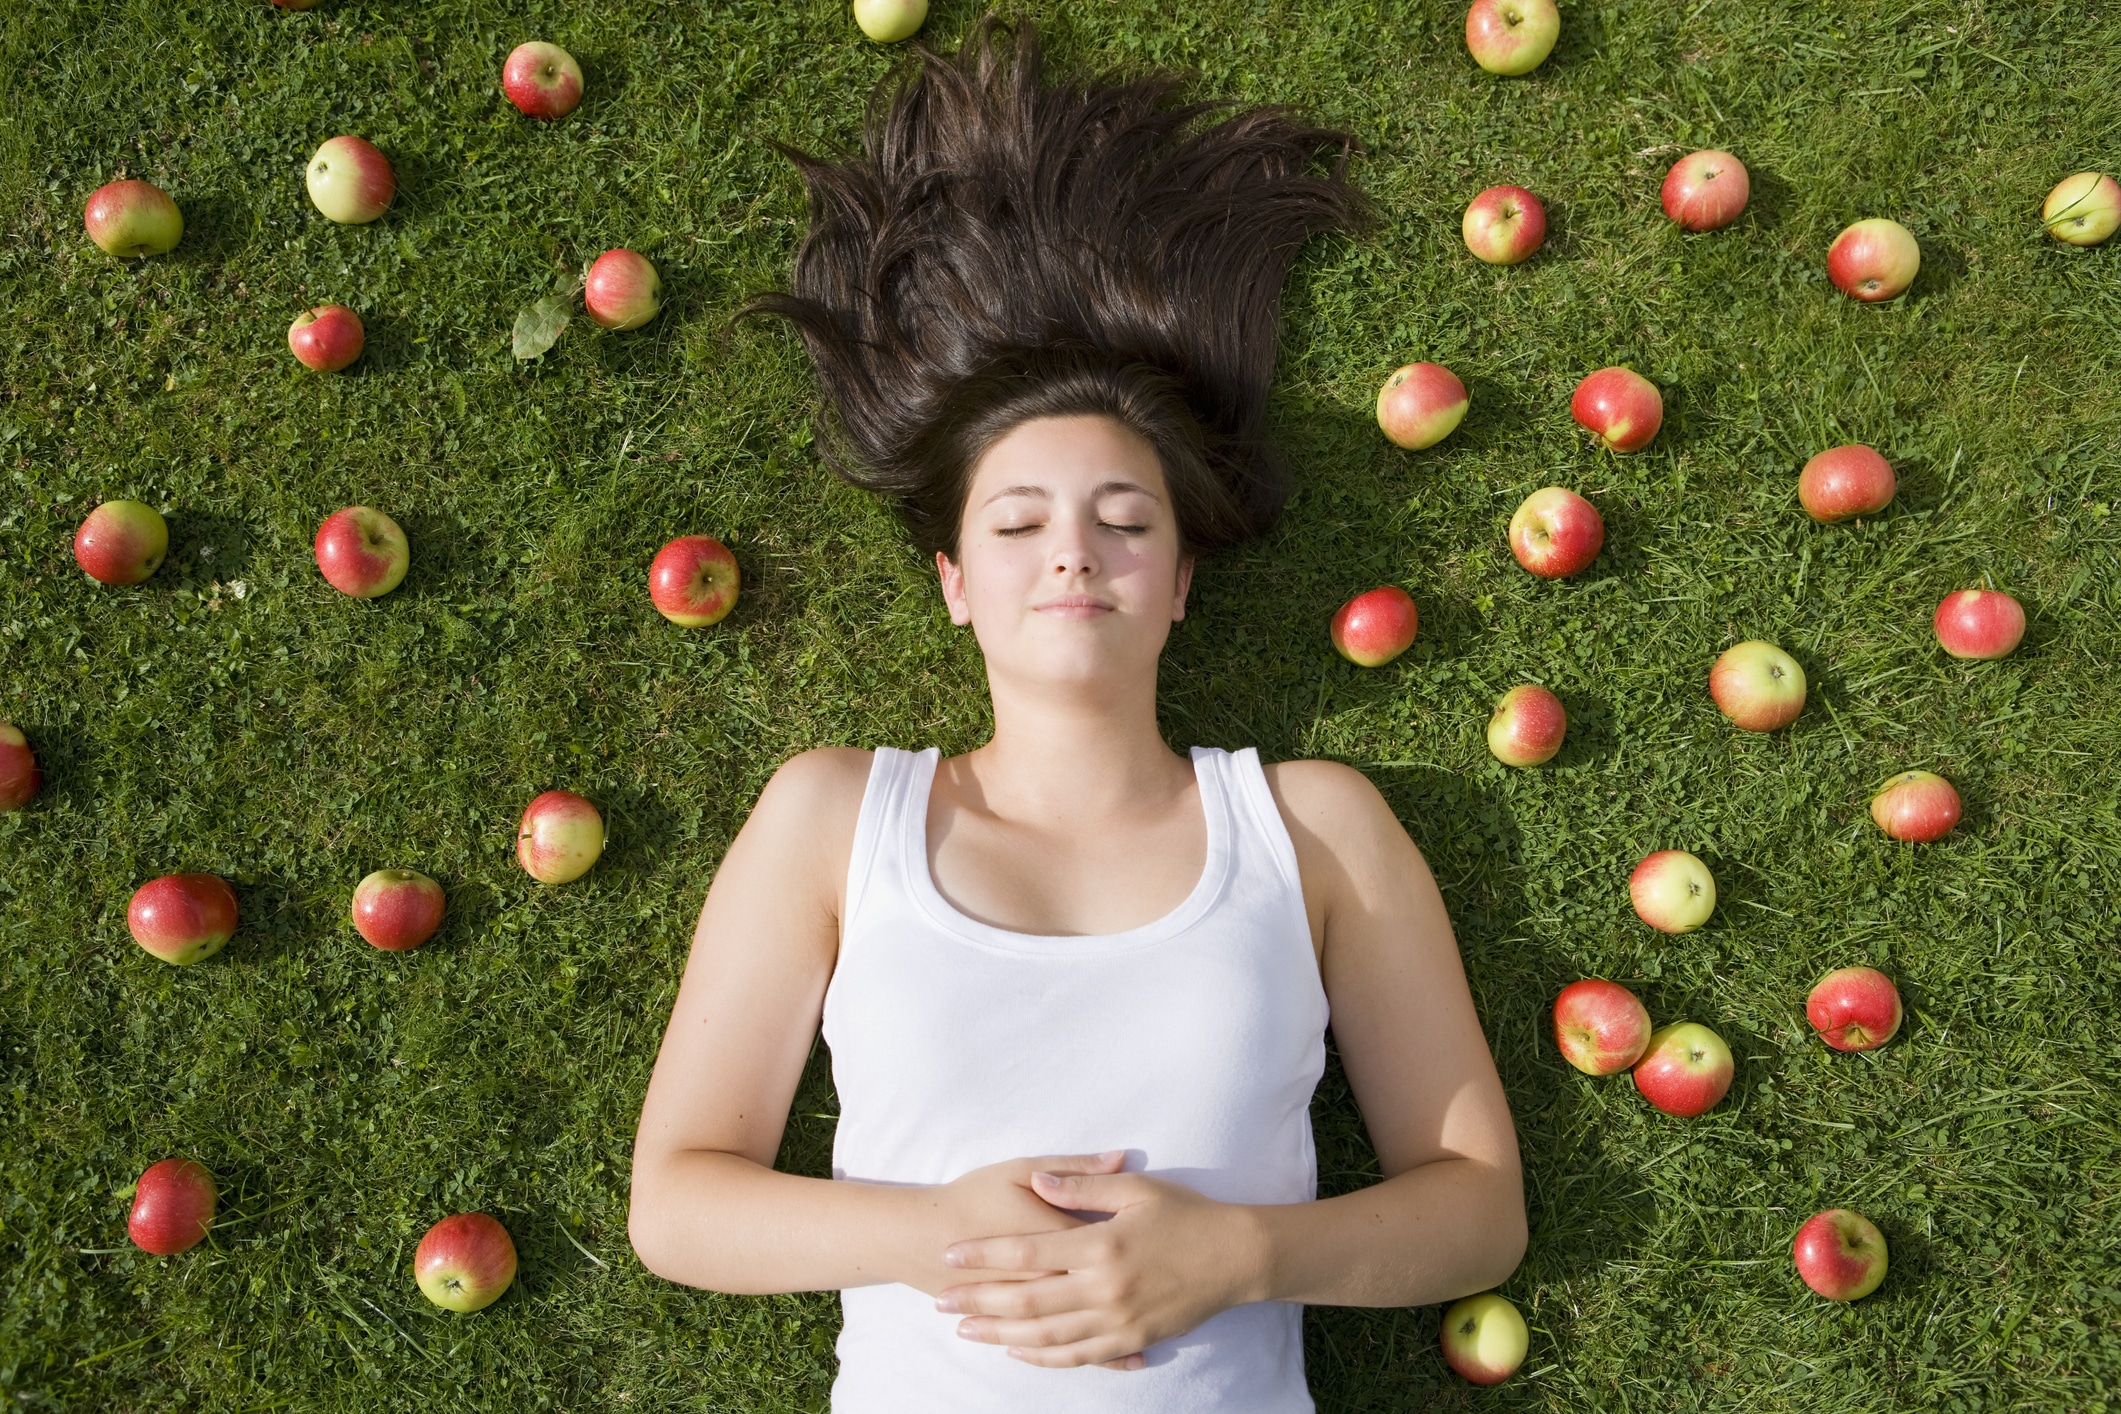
{"points": [[1073, 606]]}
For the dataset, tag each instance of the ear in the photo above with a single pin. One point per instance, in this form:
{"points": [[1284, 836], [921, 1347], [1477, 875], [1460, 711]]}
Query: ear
{"points": [[953, 578], [1185, 584]]}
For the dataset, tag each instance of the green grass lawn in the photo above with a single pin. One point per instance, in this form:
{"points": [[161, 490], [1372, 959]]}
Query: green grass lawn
{"points": [[237, 715]]}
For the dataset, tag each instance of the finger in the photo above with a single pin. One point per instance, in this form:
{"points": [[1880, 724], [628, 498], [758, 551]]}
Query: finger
{"points": [[1045, 1332], [1087, 1352], [1015, 1300], [1107, 1162], [1059, 1251], [1129, 1362], [1096, 1192]]}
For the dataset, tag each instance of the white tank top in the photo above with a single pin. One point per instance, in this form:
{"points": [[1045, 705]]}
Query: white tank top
{"points": [[1193, 1042]]}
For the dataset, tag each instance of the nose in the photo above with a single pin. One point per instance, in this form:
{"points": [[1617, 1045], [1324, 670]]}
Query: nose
{"points": [[1072, 553]]}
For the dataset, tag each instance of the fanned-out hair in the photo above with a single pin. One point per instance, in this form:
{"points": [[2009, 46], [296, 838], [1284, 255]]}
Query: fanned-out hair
{"points": [[1004, 248]]}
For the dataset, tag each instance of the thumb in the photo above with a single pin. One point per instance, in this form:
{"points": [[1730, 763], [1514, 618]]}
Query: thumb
{"points": [[1107, 1162], [1097, 1192]]}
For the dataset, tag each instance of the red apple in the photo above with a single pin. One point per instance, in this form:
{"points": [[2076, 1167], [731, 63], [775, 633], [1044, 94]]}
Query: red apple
{"points": [[1527, 726], [1374, 628], [350, 181], [182, 918], [1916, 805], [1601, 1027], [560, 837], [1556, 532], [1504, 225], [1873, 260], [693, 581], [1420, 405], [622, 290], [1845, 481], [326, 338], [2083, 209], [362, 552], [1621, 406], [121, 542], [1484, 1339], [1979, 623], [1685, 1070], [1854, 1008], [397, 909], [173, 1206], [1758, 686], [1706, 190], [1511, 37], [542, 79], [1672, 891], [464, 1262], [19, 777], [1840, 1255], [131, 219]]}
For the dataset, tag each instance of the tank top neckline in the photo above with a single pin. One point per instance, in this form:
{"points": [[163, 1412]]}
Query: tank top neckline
{"points": [[1207, 891]]}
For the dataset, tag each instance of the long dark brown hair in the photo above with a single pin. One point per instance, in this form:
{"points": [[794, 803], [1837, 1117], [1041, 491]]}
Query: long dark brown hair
{"points": [[1005, 248]]}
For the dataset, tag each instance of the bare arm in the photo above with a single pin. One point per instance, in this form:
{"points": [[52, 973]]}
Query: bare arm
{"points": [[1449, 1217]]}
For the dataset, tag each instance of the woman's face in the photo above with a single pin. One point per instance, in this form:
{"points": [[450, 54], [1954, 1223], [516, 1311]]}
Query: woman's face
{"points": [[1068, 565]]}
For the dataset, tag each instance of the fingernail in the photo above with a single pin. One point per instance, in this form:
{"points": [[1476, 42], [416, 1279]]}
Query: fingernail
{"points": [[1110, 1154], [946, 1302], [953, 1258], [965, 1329], [1050, 1178]]}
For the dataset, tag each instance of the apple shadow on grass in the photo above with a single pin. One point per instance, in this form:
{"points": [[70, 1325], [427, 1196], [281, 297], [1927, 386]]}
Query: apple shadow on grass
{"points": [[1769, 198], [205, 547]]}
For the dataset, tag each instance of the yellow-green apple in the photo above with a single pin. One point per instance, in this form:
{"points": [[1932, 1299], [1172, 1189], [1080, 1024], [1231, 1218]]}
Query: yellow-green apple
{"points": [[350, 181], [1706, 190], [1484, 1339], [1374, 628], [1527, 726], [1511, 37], [1504, 225], [542, 79], [2083, 209], [121, 542], [1873, 260], [129, 219], [1918, 806], [560, 836], [889, 21], [1846, 481], [464, 1262], [182, 918], [362, 552], [1840, 1254], [1854, 1008], [326, 338], [1979, 623], [173, 1206], [1672, 891], [1757, 685], [19, 777], [693, 581], [1685, 1069], [1556, 532], [1601, 1027], [622, 290], [1420, 405], [397, 909], [1621, 406]]}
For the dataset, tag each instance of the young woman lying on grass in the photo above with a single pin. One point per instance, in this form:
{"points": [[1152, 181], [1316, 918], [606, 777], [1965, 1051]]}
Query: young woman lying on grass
{"points": [[1075, 985]]}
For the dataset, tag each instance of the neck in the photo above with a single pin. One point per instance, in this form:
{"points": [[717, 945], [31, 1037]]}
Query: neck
{"points": [[1056, 751]]}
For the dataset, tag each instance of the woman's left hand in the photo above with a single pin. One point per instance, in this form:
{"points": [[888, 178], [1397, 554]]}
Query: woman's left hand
{"points": [[1167, 1260]]}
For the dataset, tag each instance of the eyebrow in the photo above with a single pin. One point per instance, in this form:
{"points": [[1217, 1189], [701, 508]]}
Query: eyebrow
{"points": [[1103, 488]]}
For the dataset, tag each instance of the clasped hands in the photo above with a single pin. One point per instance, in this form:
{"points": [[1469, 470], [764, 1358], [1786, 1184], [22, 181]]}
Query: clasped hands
{"points": [[1062, 1291]]}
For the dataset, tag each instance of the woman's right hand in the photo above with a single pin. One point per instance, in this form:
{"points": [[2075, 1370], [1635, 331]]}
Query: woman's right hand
{"points": [[997, 1201]]}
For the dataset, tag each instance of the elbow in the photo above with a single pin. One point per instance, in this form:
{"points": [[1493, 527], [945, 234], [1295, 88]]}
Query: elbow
{"points": [[1509, 1233], [646, 1228]]}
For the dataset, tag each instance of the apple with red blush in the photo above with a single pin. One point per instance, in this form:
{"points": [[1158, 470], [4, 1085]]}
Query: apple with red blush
{"points": [[132, 219], [1840, 1254], [350, 180], [1873, 260], [1854, 1008], [622, 290], [542, 80], [1685, 1070], [464, 1262], [693, 581], [397, 909], [1601, 1027], [1979, 624], [121, 542], [1484, 1338], [1504, 225], [1375, 627], [1706, 190], [1917, 806], [361, 552], [19, 777], [1511, 37], [1842, 482], [326, 338], [1672, 891], [559, 837], [1620, 407], [173, 1206], [1420, 405], [1757, 686], [1555, 533], [1527, 726], [182, 918], [2083, 209]]}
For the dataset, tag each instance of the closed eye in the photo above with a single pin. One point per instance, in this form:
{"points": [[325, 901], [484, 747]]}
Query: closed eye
{"points": [[1125, 529], [1018, 530]]}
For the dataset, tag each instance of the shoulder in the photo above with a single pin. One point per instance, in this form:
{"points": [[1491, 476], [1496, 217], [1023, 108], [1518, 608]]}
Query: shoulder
{"points": [[1327, 800], [817, 788]]}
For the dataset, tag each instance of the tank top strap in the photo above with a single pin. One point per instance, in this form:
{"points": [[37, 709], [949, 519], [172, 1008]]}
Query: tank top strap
{"points": [[881, 827], [1260, 834]]}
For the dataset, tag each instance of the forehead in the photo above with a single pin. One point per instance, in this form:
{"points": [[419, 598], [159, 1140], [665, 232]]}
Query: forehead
{"points": [[1060, 455]]}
